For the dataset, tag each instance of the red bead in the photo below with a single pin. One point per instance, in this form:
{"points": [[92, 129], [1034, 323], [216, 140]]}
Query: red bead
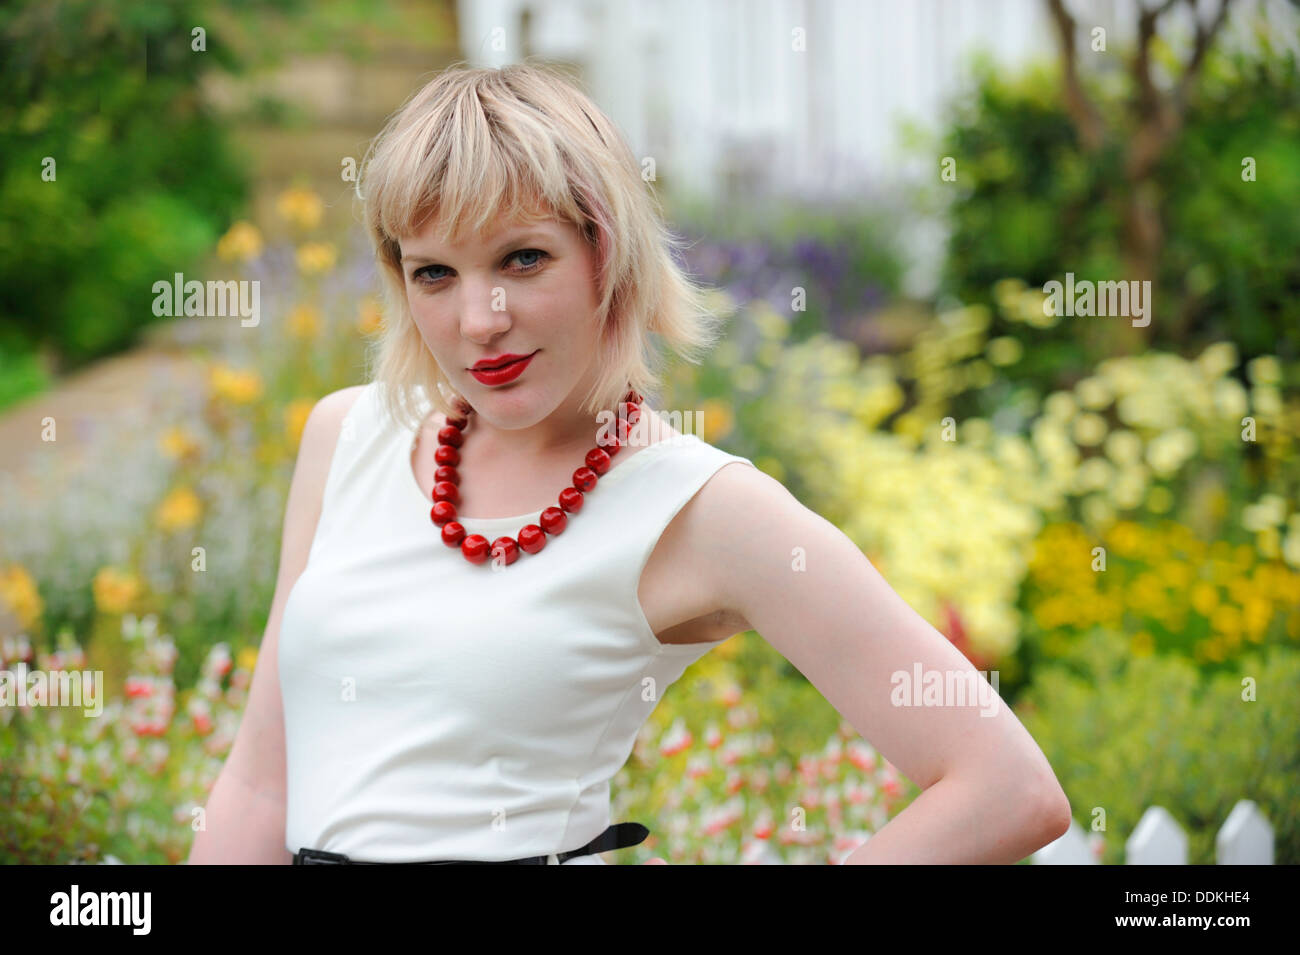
{"points": [[608, 440], [475, 548], [446, 454], [531, 539], [505, 547], [453, 533], [622, 430], [571, 500], [443, 511], [584, 479], [457, 421], [446, 491], [631, 412], [553, 520], [450, 435], [446, 473], [598, 460]]}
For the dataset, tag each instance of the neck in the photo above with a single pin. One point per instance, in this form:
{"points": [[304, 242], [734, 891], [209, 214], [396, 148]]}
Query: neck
{"points": [[563, 434]]}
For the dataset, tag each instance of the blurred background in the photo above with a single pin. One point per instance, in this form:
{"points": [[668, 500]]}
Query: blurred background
{"points": [[1103, 512]]}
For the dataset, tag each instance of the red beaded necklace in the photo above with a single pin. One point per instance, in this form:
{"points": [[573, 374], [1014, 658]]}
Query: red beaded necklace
{"points": [[553, 520]]}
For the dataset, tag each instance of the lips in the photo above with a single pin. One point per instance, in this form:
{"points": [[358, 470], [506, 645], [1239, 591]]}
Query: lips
{"points": [[492, 364], [507, 369]]}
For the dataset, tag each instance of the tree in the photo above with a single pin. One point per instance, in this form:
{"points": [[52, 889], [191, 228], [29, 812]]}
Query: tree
{"points": [[1156, 117]]}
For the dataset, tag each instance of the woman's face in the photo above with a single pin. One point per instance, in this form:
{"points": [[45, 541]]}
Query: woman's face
{"points": [[523, 289]]}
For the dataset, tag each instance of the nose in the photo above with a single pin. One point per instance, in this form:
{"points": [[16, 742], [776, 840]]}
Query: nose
{"points": [[484, 314]]}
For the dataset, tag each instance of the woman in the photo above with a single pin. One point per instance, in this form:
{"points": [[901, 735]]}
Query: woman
{"points": [[467, 658]]}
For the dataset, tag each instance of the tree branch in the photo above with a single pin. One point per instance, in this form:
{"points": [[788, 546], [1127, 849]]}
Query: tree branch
{"points": [[1087, 120], [1204, 36]]}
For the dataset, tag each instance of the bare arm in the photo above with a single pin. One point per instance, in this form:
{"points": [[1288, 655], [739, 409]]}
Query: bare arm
{"points": [[990, 795], [245, 812]]}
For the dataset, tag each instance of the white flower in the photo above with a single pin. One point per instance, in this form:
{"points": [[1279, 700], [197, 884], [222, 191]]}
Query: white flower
{"points": [[1268, 511], [1218, 358], [1094, 393], [1264, 370], [1230, 398], [1123, 446]]}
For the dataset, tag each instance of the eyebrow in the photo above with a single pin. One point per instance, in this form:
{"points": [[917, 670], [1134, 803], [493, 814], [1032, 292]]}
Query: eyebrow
{"points": [[515, 238]]}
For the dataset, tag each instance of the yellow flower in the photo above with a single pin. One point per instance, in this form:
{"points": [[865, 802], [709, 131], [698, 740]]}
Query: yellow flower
{"points": [[115, 590], [1004, 350], [1245, 556], [716, 419], [300, 206], [1205, 597], [1006, 292], [1142, 644], [18, 592], [177, 443], [240, 243], [1089, 429], [305, 321], [1256, 615], [1126, 539], [1226, 619], [231, 385], [1264, 370], [316, 257], [1269, 543], [295, 419], [179, 509], [1177, 575], [370, 317], [246, 658]]}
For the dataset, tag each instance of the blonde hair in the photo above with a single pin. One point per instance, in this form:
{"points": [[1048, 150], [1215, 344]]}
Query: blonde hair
{"points": [[521, 141]]}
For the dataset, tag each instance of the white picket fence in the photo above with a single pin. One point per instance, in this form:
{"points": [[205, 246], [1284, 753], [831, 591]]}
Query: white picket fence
{"points": [[1246, 838]]}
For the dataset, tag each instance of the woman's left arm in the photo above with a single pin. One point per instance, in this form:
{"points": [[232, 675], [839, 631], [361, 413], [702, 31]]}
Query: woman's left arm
{"points": [[989, 794]]}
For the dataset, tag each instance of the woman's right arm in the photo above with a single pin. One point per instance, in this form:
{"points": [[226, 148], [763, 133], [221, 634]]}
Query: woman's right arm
{"points": [[245, 813]]}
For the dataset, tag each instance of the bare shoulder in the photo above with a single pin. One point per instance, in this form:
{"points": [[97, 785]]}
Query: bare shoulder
{"points": [[334, 407], [320, 436], [723, 531]]}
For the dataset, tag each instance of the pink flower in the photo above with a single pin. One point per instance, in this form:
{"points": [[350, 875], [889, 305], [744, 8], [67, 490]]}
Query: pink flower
{"points": [[676, 740]]}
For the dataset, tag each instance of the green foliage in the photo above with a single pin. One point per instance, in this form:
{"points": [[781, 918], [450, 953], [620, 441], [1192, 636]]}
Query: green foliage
{"points": [[1125, 732], [116, 174], [1028, 202]]}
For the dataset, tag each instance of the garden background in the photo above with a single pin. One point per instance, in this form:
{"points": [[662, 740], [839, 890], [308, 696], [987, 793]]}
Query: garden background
{"points": [[978, 449]]}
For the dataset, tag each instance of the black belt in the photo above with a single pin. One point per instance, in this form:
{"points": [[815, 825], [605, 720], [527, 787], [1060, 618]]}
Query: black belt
{"points": [[618, 836]]}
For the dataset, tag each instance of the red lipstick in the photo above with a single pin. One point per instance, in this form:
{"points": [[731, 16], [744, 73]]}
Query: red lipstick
{"points": [[499, 370]]}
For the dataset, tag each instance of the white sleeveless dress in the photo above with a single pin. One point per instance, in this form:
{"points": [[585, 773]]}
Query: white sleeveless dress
{"points": [[436, 709]]}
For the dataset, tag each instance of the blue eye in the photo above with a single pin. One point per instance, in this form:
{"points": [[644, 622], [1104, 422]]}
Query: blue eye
{"points": [[423, 277]]}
